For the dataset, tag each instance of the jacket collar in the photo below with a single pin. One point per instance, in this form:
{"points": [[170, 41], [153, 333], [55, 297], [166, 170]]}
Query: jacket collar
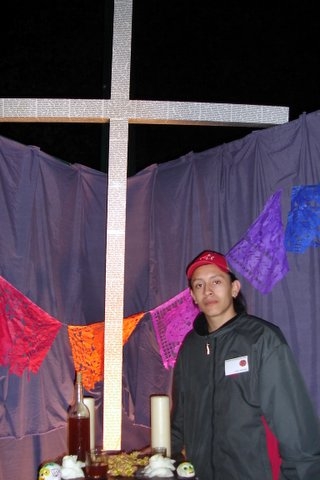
{"points": [[200, 325]]}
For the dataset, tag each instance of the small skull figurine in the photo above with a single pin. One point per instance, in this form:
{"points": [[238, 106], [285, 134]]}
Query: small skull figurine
{"points": [[50, 471], [185, 470]]}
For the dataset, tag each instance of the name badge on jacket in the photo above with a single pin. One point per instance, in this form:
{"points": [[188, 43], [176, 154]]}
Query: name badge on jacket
{"points": [[236, 365]]}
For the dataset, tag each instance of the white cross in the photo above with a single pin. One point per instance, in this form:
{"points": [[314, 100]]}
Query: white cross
{"points": [[119, 110]]}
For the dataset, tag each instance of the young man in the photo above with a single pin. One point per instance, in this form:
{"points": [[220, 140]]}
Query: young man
{"points": [[235, 378]]}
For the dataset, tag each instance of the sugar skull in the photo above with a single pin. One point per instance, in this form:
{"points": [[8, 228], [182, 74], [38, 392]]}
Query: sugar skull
{"points": [[185, 470], [50, 471]]}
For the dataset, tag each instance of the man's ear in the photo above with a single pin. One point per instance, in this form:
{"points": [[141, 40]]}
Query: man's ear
{"points": [[192, 295], [236, 287]]}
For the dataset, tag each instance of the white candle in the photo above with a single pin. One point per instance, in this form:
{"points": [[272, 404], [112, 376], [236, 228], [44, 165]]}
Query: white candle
{"points": [[89, 402], [160, 422]]}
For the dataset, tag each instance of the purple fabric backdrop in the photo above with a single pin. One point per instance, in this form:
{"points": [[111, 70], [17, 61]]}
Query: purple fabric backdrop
{"points": [[52, 249]]}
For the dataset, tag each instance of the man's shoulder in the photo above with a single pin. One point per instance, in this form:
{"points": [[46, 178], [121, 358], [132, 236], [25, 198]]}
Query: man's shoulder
{"points": [[265, 326]]}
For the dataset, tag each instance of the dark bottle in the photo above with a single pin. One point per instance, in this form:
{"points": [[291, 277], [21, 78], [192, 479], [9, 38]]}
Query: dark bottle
{"points": [[78, 423]]}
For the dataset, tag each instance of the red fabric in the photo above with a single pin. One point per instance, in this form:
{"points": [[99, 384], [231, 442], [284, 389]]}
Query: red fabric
{"points": [[273, 451], [26, 331]]}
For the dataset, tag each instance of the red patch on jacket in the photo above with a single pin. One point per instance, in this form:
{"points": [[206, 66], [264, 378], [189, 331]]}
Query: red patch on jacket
{"points": [[273, 451]]}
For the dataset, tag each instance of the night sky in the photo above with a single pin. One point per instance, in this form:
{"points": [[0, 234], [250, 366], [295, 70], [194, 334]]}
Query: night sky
{"points": [[230, 52]]}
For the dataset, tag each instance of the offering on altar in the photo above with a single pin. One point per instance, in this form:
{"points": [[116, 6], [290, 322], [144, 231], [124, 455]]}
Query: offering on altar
{"points": [[50, 471], [158, 466], [71, 467], [185, 470], [160, 422], [126, 464]]}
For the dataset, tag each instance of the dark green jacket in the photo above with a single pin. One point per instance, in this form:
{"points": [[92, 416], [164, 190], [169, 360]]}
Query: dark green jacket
{"points": [[224, 384]]}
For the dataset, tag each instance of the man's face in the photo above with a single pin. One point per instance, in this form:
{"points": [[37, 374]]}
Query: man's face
{"points": [[213, 291]]}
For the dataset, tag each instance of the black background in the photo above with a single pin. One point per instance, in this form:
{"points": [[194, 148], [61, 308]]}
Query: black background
{"points": [[230, 52]]}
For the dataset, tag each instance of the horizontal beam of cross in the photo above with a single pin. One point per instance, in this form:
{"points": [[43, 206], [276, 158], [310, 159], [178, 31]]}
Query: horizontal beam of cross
{"points": [[140, 111]]}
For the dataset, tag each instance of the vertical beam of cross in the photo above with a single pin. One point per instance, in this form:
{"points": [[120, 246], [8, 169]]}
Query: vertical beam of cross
{"points": [[116, 219]]}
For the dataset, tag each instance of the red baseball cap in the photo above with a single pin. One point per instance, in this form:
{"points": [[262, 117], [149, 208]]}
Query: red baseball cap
{"points": [[207, 257]]}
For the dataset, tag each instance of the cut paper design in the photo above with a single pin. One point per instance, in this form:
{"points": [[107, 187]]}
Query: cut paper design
{"points": [[87, 346], [303, 223], [260, 256], [129, 324], [172, 321], [26, 331]]}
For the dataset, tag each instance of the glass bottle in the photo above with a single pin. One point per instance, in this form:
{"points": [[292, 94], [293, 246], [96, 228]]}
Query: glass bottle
{"points": [[78, 423]]}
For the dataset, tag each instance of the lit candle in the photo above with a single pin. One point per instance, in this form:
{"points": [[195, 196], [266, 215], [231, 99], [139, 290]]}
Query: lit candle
{"points": [[89, 402], [160, 422]]}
